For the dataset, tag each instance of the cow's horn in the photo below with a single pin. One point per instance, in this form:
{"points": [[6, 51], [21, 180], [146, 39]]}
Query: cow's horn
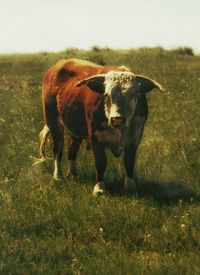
{"points": [[147, 84]]}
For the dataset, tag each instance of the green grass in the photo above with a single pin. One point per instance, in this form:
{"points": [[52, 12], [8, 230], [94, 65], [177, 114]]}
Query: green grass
{"points": [[59, 228]]}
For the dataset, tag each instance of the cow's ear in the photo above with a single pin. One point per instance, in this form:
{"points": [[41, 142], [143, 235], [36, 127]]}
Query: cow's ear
{"points": [[145, 85], [95, 83]]}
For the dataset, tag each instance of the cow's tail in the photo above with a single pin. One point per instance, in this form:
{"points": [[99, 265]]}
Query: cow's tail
{"points": [[43, 136], [43, 140]]}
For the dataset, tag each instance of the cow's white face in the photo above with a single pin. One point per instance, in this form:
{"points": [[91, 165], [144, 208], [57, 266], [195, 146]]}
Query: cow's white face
{"points": [[120, 98], [120, 89]]}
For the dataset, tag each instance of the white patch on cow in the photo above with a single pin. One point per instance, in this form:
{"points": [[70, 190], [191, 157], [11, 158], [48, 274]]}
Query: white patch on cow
{"points": [[114, 111], [57, 175], [99, 189], [123, 78], [71, 171], [120, 96], [129, 184]]}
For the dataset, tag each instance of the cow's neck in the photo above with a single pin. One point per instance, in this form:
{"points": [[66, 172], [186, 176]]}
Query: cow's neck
{"points": [[112, 138]]}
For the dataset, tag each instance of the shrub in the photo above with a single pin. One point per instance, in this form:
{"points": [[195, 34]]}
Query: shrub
{"points": [[184, 51]]}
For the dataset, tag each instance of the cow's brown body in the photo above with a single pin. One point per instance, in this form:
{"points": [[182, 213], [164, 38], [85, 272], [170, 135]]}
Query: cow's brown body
{"points": [[81, 111], [75, 107]]}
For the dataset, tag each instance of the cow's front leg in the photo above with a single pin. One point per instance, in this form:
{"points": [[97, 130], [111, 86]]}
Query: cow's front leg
{"points": [[131, 150], [100, 165], [129, 162]]}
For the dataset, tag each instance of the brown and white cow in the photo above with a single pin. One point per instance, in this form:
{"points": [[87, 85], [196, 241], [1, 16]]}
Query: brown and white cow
{"points": [[103, 104]]}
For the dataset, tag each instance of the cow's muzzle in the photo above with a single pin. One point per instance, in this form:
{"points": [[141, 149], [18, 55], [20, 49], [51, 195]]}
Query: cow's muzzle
{"points": [[117, 122]]}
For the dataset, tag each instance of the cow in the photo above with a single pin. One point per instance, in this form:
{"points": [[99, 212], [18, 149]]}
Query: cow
{"points": [[104, 105]]}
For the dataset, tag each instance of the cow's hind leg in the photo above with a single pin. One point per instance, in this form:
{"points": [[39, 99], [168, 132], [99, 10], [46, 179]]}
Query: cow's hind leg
{"points": [[57, 134], [73, 147], [56, 129]]}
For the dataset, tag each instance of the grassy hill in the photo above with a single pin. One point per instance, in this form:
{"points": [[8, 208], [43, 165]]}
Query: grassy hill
{"points": [[59, 228]]}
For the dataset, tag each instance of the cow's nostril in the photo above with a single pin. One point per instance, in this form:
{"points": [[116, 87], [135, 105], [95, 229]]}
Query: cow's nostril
{"points": [[118, 121]]}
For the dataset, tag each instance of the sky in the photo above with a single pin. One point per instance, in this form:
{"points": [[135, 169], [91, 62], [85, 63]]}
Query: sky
{"points": [[55, 25]]}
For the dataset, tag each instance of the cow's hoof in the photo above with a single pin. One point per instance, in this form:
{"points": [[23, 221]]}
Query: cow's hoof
{"points": [[99, 189], [129, 184]]}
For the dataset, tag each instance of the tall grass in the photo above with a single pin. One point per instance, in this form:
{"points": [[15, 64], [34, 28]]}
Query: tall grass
{"points": [[59, 228]]}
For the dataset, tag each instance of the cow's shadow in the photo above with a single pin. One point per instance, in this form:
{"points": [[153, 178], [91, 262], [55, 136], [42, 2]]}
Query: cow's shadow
{"points": [[162, 192]]}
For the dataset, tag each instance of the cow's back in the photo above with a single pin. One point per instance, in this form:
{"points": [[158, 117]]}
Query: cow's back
{"points": [[72, 70], [65, 71]]}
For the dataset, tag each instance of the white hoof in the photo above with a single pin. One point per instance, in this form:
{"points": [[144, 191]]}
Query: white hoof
{"points": [[129, 184], [99, 189], [58, 175]]}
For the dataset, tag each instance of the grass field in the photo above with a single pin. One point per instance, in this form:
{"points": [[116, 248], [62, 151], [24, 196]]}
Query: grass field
{"points": [[59, 228]]}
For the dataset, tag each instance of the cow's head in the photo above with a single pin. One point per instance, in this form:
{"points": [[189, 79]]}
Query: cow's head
{"points": [[121, 91]]}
